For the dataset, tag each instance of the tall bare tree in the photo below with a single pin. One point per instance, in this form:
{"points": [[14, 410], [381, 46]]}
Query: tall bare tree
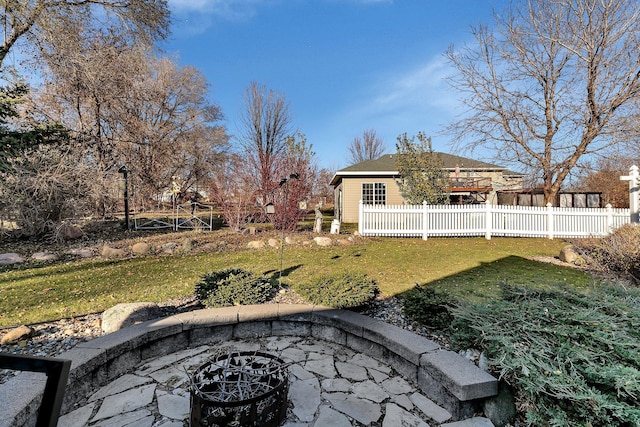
{"points": [[557, 80], [126, 106], [39, 25], [266, 127], [367, 147]]}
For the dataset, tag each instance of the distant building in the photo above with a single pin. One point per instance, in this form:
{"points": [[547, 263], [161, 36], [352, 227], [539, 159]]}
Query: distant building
{"points": [[376, 182]]}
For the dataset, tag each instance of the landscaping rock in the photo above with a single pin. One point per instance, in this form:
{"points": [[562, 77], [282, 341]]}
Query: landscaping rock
{"points": [[255, 244], [70, 232], [10, 258], [323, 241], [20, 333], [568, 254], [109, 252], [187, 245], [274, 243], [141, 248], [169, 248], [123, 315], [44, 256], [82, 253]]}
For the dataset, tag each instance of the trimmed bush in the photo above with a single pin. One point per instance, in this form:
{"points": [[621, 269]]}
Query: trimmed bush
{"points": [[428, 306], [572, 358], [233, 286], [346, 290]]}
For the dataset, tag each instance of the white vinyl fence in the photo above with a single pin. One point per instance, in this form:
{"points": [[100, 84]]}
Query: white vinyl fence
{"points": [[488, 220]]}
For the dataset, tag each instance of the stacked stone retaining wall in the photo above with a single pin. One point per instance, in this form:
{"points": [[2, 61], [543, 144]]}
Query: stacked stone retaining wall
{"points": [[444, 376]]}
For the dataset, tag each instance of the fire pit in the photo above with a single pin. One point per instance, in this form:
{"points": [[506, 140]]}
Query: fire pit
{"points": [[246, 388]]}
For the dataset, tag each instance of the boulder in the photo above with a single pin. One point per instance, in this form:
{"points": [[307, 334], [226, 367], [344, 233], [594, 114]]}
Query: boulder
{"points": [[187, 245], [20, 333], [82, 252], [568, 254], [274, 243], [10, 258], [44, 256], [169, 248], [123, 315], [255, 244], [141, 248], [323, 241], [70, 232], [109, 252]]}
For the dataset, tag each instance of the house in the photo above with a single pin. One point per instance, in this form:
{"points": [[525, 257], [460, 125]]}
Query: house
{"points": [[376, 182]]}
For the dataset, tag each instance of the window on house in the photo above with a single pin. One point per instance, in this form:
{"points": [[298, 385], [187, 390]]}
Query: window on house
{"points": [[374, 193]]}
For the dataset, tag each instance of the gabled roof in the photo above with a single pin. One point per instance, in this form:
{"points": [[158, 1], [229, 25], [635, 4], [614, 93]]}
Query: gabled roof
{"points": [[386, 166]]}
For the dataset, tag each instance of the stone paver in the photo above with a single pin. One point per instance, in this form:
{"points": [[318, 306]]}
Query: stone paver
{"points": [[329, 386]]}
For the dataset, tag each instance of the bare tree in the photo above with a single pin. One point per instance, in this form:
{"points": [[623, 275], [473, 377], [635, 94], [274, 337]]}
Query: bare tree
{"points": [[43, 25], [126, 106], [233, 192], [558, 80], [266, 126], [367, 147], [298, 169]]}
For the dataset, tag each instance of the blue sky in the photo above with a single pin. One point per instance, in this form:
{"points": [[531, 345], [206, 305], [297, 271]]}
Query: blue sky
{"points": [[344, 65]]}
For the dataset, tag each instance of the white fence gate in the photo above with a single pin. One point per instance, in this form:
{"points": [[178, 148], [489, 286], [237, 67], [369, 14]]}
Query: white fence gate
{"points": [[488, 220]]}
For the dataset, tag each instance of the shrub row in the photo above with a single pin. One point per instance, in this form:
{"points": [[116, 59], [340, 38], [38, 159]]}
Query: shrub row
{"points": [[236, 286]]}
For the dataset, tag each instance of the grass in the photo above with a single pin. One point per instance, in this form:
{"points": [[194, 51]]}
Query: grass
{"points": [[466, 267]]}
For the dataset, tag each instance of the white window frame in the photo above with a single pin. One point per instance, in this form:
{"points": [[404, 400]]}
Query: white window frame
{"points": [[376, 193]]}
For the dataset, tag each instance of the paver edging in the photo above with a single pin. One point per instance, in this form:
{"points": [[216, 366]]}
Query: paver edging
{"points": [[99, 361]]}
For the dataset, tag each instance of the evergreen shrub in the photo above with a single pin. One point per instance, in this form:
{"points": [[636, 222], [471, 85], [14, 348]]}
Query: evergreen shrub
{"points": [[573, 358], [233, 286], [428, 306], [346, 290]]}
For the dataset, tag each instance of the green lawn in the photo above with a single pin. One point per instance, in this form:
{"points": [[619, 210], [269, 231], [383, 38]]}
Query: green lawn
{"points": [[466, 267]]}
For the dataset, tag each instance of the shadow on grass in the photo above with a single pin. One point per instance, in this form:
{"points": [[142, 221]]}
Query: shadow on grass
{"points": [[275, 274], [483, 281], [43, 269]]}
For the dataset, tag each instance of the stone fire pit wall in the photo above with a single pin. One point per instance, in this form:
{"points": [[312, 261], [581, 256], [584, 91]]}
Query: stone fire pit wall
{"points": [[445, 377]]}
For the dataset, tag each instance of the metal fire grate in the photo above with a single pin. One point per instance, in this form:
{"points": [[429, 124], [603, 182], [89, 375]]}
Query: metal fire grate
{"points": [[240, 389]]}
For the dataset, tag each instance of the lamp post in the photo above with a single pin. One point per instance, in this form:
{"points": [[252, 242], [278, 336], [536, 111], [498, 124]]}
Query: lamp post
{"points": [[125, 172], [282, 183]]}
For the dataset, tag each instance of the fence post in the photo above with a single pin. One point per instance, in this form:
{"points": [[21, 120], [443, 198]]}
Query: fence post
{"points": [[360, 217], [487, 220], [425, 218], [634, 200], [550, 221], [609, 217]]}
